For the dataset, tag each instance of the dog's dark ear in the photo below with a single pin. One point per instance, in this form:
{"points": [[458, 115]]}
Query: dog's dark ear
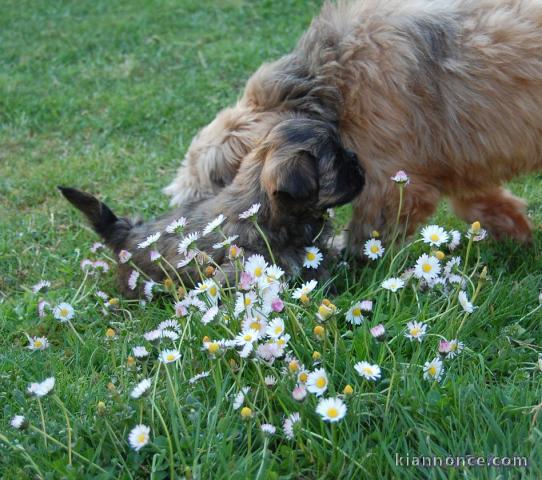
{"points": [[111, 228]]}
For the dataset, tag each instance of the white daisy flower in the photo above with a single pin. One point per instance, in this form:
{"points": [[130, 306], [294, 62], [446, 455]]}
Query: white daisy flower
{"points": [[87, 265], [151, 239], [169, 356], [354, 314], [313, 257], [270, 381], [209, 315], [464, 302], [177, 226], [198, 377], [275, 329], [289, 423], [155, 256], [433, 370], [101, 265], [96, 246], [427, 267], [401, 177], [214, 224], [188, 243], [268, 429], [393, 284], [189, 256], [38, 287], [273, 273], [378, 331], [147, 289], [331, 409], [255, 321], [210, 288], [172, 324], [132, 280], [317, 382], [434, 235], [141, 388], [368, 371], [18, 422], [245, 302], [124, 256], [42, 306], [37, 343], [139, 437], [251, 212], [226, 242], [256, 266], [63, 312], [455, 347], [43, 388], [140, 352], [416, 330], [373, 249], [455, 240], [247, 337], [450, 264], [305, 289], [240, 398], [170, 334]]}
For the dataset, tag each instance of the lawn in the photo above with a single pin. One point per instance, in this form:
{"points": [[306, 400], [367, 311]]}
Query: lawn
{"points": [[106, 96]]}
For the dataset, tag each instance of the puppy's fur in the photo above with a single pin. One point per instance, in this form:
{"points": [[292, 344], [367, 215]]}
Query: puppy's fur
{"points": [[449, 91], [296, 173]]}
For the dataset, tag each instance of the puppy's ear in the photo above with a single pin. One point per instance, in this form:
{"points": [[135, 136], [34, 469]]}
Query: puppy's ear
{"points": [[112, 229]]}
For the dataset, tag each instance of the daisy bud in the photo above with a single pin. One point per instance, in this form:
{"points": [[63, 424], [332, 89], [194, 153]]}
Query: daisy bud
{"points": [[100, 408], [19, 422], [293, 366], [348, 390], [110, 333], [440, 255], [476, 227], [316, 356], [233, 363], [206, 339], [483, 275], [444, 347], [209, 271], [168, 283], [299, 393], [319, 331], [277, 305], [325, 312], [130, 361], [213, 348], [366, 305], [305, 300], [326, 302], [375, 234], [111, 387], [246, 413], [378, 332], [181, 292], [113, 301]]}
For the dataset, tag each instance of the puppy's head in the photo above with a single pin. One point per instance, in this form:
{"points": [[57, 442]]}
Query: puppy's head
{"points": [[307, 169]]}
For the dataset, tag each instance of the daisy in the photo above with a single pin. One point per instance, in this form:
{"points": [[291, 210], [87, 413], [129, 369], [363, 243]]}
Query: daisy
{"points": [[450, 264], [141, 388], [43, 388], [299, 393], [247, 337], [38, 287], [277, 305], [378, 331], [255, 321], [313, 257], [240, 398], [101, 265], [168, 356], [427, 267], [226, 242], [140, 352], [168, 334], [416, 330], [96, 246], [124, 256], [188, 257], [235, 252], [434, 235], [392, 284], [373, 249], [331, 409], [132, 280], [464, 302], [400, 177], [270, 381], [63, 312], [245, 302], [256, 266], [18, 422], [455, 239], [268, 429], [354, 315], [251, 212], [155, 256], [149, 240], [269, 351], [86, 265], [38, 343], [139, 437], [455, 347], [171, 324], [209, 315], [198, 377], [275, 329], [317, 382], [368, 371], [148, 286], [41, 308], [177, 226], [289, 423], [433, 370], [213, 225], [188, 243], [305, 289], [326, 310], [273, 273]]}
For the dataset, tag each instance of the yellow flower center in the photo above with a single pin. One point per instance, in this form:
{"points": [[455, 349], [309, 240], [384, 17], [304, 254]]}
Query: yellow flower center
{"points": [[434, 237], [256, 325], [432, 370], [356, 312], [38, 343], [427, 267], [258, 272], [367, 370], [321, 382], [247, 338], [375, 249], [415, 331], [293, 366], [213, 347], [213, 291], [248, 301], [453, 347], [278, 329], [281, 342], [141, 438], [332, 412], [233, 251], [304, 299], [303, 377], [310, 256], [64, 312], [110, 332], [170, 357]]}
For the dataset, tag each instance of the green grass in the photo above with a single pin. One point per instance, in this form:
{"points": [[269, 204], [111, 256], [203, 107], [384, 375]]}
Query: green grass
{"points": [[106, 96]]}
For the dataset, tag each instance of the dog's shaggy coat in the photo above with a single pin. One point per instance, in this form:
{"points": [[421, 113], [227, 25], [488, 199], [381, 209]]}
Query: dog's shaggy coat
{"points": [[449, 91]]}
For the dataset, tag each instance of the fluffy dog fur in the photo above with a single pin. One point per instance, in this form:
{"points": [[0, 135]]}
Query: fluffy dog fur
{"points": [[448, 90], [296, 173]]}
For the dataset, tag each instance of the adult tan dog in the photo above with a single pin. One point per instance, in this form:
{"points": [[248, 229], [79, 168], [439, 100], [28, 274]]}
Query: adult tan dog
{"points": [[448, 90]]}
